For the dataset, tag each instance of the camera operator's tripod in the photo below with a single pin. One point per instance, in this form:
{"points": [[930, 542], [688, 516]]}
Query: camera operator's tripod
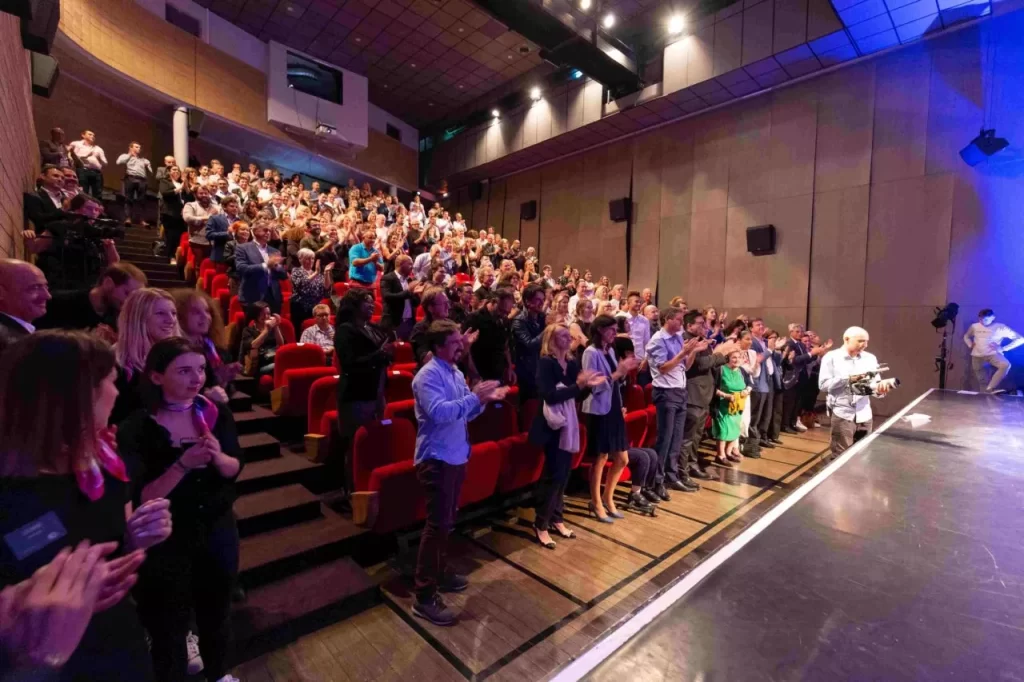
{"points": [[942, 362]]}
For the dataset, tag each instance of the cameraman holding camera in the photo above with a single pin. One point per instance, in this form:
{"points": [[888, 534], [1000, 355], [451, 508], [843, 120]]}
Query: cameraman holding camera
{"points": [[851, 411]]}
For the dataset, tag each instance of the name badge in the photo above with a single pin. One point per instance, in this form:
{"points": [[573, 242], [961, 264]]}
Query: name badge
{"points": [[32, 537]]}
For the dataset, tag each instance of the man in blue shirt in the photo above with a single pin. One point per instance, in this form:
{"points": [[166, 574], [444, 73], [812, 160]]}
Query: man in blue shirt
{"points": [[444, 405], [364, 260]]}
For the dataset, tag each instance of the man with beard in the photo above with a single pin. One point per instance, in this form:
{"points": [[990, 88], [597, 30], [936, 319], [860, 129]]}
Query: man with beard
{"points": [[95, 309]]}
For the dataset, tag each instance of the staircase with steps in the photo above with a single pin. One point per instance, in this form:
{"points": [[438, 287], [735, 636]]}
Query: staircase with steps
{"points": [[137, 249]]}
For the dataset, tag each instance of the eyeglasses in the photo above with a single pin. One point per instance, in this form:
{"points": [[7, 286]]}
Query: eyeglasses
{"points": [[323, 314]]}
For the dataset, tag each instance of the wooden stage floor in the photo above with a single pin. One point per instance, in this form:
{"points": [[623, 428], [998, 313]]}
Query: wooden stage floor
{"points": [[530, 610]]}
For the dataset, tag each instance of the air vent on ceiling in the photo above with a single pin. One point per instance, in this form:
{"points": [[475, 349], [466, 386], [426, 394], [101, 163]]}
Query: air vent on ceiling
{"points": [[524, 49]]}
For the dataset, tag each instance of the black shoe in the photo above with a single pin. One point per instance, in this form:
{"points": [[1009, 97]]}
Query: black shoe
{"points": [[676, 485], [638, 501], [767, 444], [752, 451], [546, 545], [434, 611], [700, 472], [662, 493], [651, 496], [775, 441], [453, 582], [689, 485], [790, 430]]}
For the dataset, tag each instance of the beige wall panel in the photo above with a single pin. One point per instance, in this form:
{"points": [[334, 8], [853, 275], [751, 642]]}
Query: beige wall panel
{"points": [[574, 107], [750, 169], [529, 233], [794, 140], [713, 136], [839, 248], [518, 125], [902, 338], [744, 274], [480, 208], [560, 219], [644, 255], [673, 258], [520, 188], [830, 323], [757, 32], [530, 121], [700, 55], [677, 169], [845, 122], [674, 60], [496, 206], [790, 24], [647, 167], [821, 19], [559, 114], [956, 97], [706, 268], [908, 241], [728, 44], [777, 318], [616, 178], [592, 103], [786, 272], [901, 115], [544, 110]]}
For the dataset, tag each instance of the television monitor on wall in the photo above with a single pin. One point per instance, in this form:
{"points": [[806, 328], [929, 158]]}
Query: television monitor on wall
{"points": [[313, 78]]}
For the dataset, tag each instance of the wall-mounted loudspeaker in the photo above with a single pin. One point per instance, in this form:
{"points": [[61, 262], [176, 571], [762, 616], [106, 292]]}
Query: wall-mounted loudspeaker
{"points": [[44, 74], [195, 122], [620, 209], [761, 240], [528, 210], [476, 191], [39, 29]]}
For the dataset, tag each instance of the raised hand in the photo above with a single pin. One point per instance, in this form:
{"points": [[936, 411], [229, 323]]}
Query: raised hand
{"points": [[150, 524], [470, 337]]}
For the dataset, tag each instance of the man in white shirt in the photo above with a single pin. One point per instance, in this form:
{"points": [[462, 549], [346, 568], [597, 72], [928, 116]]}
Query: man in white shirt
{"points": [[985, 339], [321, 333], [639, 328], [89, 162], [851, 413]]}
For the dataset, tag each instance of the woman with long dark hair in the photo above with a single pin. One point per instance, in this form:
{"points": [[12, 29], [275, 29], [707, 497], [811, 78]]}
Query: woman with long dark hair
{"points": [[60, 471], [187, 451]]}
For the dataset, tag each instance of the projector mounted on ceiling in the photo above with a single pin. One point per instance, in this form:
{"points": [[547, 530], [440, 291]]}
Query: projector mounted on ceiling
{"points": [[983, 146]]}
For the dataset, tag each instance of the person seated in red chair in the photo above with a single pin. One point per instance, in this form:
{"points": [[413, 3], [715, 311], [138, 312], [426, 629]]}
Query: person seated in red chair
{"points": [[260, 269], [321, 333], [444, 405], [260, 340]]}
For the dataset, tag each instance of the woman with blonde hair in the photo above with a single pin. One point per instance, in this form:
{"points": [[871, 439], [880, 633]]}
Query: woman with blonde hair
{"points": [[147, 316]]}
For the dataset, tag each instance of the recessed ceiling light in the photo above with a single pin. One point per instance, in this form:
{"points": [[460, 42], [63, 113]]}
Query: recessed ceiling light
{"points": [[510, 57], [413, 65], [461, 30], [430, 104], [584, 5], [495, 113], [359, 40], [608, 21], [461, 86], [675, 24], [535, 93]]}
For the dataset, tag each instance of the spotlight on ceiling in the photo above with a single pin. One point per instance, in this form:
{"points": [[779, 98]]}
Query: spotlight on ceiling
{"points": [[576, 74], [444, 195], [675, 24], [584, 5], [495, 113], [983, 146], [535, 93], [608, 21]]}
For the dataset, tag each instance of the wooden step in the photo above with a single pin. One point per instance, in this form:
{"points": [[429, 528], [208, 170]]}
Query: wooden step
{"points": [[287, 469], [254, 420], [275, 508], [270, 556], [280, 612], [247, 385], [259, 446], [240, 402]]}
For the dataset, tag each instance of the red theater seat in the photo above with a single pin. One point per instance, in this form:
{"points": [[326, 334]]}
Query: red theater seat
{"points": [[409, 367], [403, 353], [296, 367], [499, 420], [633, 396], [378, 444], [398, 386], [288, 332], [399, 501], [522, 463], [651, 439], [220, 282], [649, 394], [527, 412], [482, 473], [636, 428], [403, 409], [323, 396]]}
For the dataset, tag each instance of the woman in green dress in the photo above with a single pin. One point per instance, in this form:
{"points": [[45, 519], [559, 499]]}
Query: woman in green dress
{"points": [[732, 391]]}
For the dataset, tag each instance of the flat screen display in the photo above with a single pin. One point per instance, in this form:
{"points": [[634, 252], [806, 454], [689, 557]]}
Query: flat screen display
{"points": [[313, 78]]}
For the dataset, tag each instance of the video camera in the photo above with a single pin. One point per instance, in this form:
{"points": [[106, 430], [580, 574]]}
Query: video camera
{"points": [[869, 382], [93, 229]]}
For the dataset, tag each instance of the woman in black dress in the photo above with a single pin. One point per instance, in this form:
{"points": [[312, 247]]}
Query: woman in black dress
{"points": [[63, 474], [559, 384], [171, 204], [187, 450], [606, 428]]}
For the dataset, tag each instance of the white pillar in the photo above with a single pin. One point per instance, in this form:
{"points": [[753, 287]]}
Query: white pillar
{"points": [[180, 129], [393, 190]]}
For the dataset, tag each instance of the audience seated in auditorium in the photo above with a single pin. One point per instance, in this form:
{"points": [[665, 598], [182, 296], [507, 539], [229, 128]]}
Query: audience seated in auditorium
{"points": [[23, 299]]}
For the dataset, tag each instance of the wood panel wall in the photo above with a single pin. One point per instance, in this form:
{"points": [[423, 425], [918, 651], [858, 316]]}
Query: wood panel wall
{"points": [[18, 136], [878, 219]]}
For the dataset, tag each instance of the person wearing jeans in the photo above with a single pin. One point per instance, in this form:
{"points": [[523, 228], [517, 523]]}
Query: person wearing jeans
{"points": [[136, 170], [89, 162], [985, 339], [761, 398], [668, 358], [444, 406]]}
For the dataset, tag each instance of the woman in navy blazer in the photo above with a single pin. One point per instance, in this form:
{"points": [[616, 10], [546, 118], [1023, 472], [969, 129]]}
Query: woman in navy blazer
{"points": [[559, 379], [606, 428]]}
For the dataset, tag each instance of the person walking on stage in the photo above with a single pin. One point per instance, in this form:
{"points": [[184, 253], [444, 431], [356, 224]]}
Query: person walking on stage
{"points": [[444, 406], [851, 413], [985, 339]]}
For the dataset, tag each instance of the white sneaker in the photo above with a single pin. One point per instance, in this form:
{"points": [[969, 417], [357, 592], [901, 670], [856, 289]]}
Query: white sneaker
{"points": [[195, 661], [229, 678], [800, 426]]}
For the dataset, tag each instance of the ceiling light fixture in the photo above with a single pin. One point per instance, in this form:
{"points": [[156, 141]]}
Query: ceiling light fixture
{"points": [[584, 5], [535, 93], [676, 24], [413, 64], [608, 21], [495, 113]]}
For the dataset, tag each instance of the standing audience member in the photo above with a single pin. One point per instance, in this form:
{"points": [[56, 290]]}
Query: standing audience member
{"points": [[527, 331], [53, 151], [491, 353], [196, 214], [639, 329], [23, 298], [700, 389], [63, 473], [606, 427], [401, 296], [89, 160], [218, 227], [556, 429], [762, 389], [260, 270], [136, 172], [731, 390], [444, 406], [187, 451], [98, 308], [309, 286], [364, 261], [173, 195], [795, 376]]}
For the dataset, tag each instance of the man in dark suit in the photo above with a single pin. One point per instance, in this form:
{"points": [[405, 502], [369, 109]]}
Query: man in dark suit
{"points": [[700, 389], [45, 205], [217, 227], [23, 297], [401, 296], [795, 361], [260, 269]]}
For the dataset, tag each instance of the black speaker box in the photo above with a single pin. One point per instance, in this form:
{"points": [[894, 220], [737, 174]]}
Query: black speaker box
{"points": [[761, 240], [528, 210], [44, 74], [195, 122], [620, 209], [476, 191], [39, 30]]}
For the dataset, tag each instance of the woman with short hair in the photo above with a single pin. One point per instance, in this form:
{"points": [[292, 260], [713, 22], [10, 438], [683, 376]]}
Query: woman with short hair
{"points": [[309, 286], [260, 340]]}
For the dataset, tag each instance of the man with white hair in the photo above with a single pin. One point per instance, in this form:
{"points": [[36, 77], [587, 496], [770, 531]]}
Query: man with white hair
{"points": [[851, 413]]}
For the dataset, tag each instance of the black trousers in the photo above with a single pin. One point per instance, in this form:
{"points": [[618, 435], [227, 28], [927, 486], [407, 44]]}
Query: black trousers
{"points": [[550, 498], [760, 405], [174, 227], [193, 571], [442, 483], [775, 423], [91, 181], [693, 432], [134, 197], [643, 467], [791, 405], [670, 406]]}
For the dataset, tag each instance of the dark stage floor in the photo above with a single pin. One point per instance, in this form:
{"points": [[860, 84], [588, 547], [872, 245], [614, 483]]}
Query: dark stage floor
{"points": [[907, 563]]}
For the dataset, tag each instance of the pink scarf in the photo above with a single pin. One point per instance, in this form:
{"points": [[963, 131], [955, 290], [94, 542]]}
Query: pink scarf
{"points": [[90, 478]]}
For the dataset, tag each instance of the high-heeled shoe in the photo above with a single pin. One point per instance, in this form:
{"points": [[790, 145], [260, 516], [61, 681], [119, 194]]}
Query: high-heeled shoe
{"points": [[568, 534], [723, 462], [614, 514], [546, 545], [734, 458], [602, 519]]}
